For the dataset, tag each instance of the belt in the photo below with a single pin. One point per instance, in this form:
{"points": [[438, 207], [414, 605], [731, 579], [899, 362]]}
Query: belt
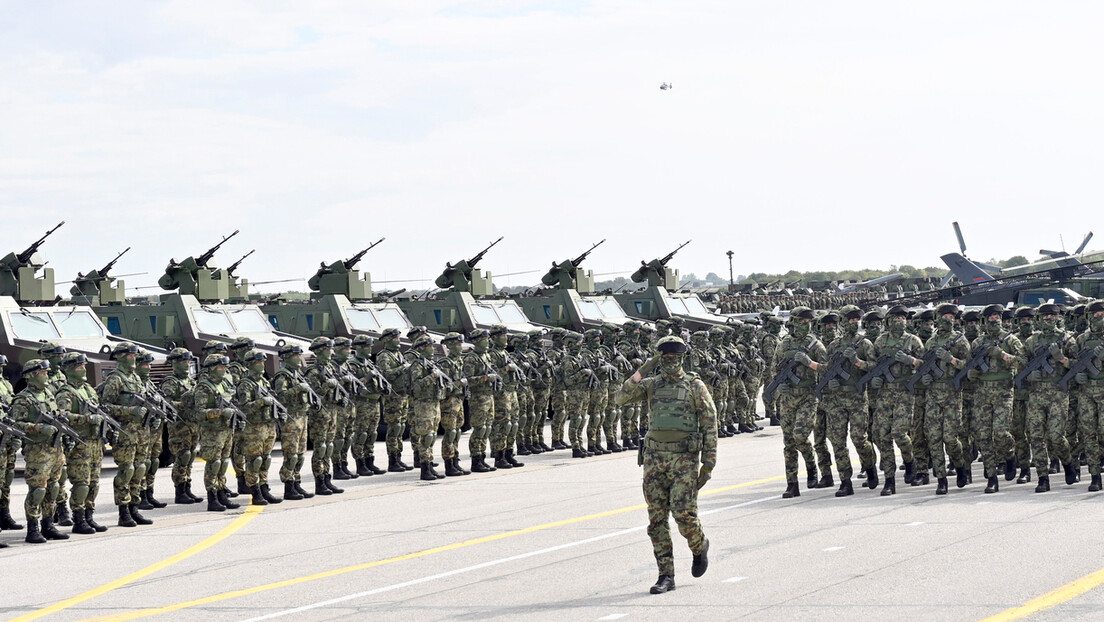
{"points": [[685, 446]]}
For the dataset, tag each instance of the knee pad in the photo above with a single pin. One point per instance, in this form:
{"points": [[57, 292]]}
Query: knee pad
{"points": [[223, 466], [155, 463], [37, 496], [125, 473], [266, 462], [79, 494], [255, 463], [52, 490], [361, 439], [138, 472], [185, 457]]}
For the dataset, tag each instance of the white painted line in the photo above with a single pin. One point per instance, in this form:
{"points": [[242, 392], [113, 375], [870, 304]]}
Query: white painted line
{"points": [[734, 580], [984, 502], [614, 616], [832, 548], [915, 524], [488, 564]]}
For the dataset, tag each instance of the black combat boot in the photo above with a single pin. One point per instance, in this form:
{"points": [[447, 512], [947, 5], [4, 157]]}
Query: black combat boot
{"points": [[994, 485], [557, 445], [1025, 476], [666, 583], [871, 478], [452, 468], [910, 471], [320, 487], [393, 464], [577, 452], [826, 480], [182, 497], [268, 496], [962, 477], [243, 489], [509, 455], [456, 463], [792, 490], [627, 443], [543, 445], [34, 533], [479, 466], [941, 486], [1044, 484], [256, 497], [138, 518], [1095, 485], [338, 472], [299, 489], [599, 450], [845, 489], [427, 473], [188, 491], [62, 517], [1071, 474], [405, 466], [224, 498], [417, 460], [523, 450], [362, 468], [80, 524], [370, 462], [50, 531], [746, 428], [125, 519], [501, 462], [345, 467], [811, 480], [88, 517], [920, 479], [290, 493], [775, 421], [701, 562], [6, 520], [890, 487], [1055, 466], [143, 502], [213, 504], [330, 485], [154, 502], [614, 447], [1010, 469]]}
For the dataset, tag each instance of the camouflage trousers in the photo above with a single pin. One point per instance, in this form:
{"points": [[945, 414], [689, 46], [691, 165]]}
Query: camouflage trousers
{"points": [[630, 415], [892, 424], [452, 418], [183, 439], [9, 447], [157, 443], [481, 409], [256, 441], [671, 489], [1047, 408], [394, 415], [992, 417], [426, 417], [237, 456], [919, 432], [1077, 445], [942, 427], [215, 443], [846, 412], [720, 393], [525, 415], [797, 410], [596, 412], [321, 426], [1021, 445], [1090, 422], [43, 475], [560, 414], [83, 464], [129, 453], [365, 428], [540, 414], [612, 415], [966, 433], [505, 427], [344, 420], [293, 446], [751, 395], [576, 406], [820, 441]]}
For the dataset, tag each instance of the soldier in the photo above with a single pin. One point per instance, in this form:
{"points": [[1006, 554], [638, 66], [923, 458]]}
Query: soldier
{"points": [[263, 414], [234, 373], [293, 391], [1047, 405], [971, 328], [943, 402], [367, 411], [578, 381], [78, 400], [716, 358], [516, 348], [428, 386], [827, 334], [344, 414], [741, 339], [629, 349], [769, 339], [993, 397], [396, 370], [609, 353], [482, 378], [541, 387], [120, 393], [1090, 391], [892, 402], [845, 406], [682, 428], [9, 447], [183, 433], [53, 352], [218, 419], [925, 328], [155, 437], [1023, 322], [504, 430], [557, 394], [43, 454], [452, 406], [797, 403], [323, 378]]}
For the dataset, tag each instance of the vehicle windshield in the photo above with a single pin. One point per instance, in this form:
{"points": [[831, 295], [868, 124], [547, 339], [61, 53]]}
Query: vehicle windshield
{"points": [[590, 310], [484, 315], [77, 324], [33, 325], [212, 321], [392, 317], [250, 320], [511, 314], [694, 305], [362, 319], [610, 308], [677, 308]]}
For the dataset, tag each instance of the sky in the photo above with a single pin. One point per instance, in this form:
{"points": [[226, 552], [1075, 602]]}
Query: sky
{"points": [[799, 135]]}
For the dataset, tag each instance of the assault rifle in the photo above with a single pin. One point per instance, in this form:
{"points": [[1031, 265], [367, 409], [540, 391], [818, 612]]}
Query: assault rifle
{"points": [[110, 428], [279, 411], [237, 417], [7, 429], [929, 366], [787, 372], [1086, 362], [979, 360], [880, 369], [832, 371], [63, 429], [313, 398], [1039, 361]]}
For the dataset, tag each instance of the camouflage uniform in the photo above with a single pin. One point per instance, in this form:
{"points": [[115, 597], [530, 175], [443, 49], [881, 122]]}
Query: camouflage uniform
{"points": [[557, 394], [118, 397], [845, 406], [893, 404], [42, 452], [344, 413], [183, 433], [1021, 453], [629, 349], [263, 413], [428, 386], [323, 377], [541, 387], [769, 341], [367, 406], [505, 427], [598, 395], [9, 447], [482, 378], [797, 404], [993, 398], [84, 462], [1047, 405], [1090, 398], [943, 402], [576, 377], [213, 393], [396, 370], [293, 391], [452, 405]]}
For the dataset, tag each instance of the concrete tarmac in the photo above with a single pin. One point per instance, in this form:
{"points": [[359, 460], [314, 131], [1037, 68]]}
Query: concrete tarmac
{"points": [[564, 538]]}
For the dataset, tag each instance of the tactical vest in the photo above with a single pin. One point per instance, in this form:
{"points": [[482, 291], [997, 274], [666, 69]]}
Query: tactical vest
{"points": [[79, 397], [670, 410]]}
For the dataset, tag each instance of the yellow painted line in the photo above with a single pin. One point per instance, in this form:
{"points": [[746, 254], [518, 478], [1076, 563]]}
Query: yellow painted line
{"points": [[1053, 598], [251, 512], [142, 613]]}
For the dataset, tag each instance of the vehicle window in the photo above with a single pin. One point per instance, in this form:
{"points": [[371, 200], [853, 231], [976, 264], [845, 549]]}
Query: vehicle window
{"points": [[610, 308], [511, 314], [590, 310], [362, 319], [694, 305], [249, 321], [78, 324], [676, 306], [33, 326], [392, 318], [212, 321], [484, 315]]}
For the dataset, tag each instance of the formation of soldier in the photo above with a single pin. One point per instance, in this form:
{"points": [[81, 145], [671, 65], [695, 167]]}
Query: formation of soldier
{"points": [[1015, 388], [785, 301], [229, 413]]}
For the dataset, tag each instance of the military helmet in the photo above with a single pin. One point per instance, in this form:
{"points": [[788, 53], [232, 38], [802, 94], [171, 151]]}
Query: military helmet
{"points": [[362, 340], [1024, 312], [72, 359], [610, 328], [254, 355], [289, 350], [631, 325], [453, 337], [415, 332], [3, 360], [122, 348], [479, 333], [801, 312], [342, 342], [50, 348], [717, 330], [214, 346], [671, 345], [497, 329], [179, 354], [991, 310], [830, 318], [243, 343], [927, 315], [214, 360], [391, 332], [850, 312], [557, 332], [646, 328], [1096, 305], [35, 365], [973, 315], [1007, 314], [677, 321], [1050, 308], [516, 339], [1078, 309], [145, 357], [898, 310], [592, 332], [422, 341], [946, 308], [321, 342], [874, 315], [572, 336], [535, 336]]}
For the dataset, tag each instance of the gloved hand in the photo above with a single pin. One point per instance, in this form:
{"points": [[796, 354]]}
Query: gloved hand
{"points": [[1035, 376], [850, 354], [904, 357], [216, 413], [834, 384], [1056, 352], [331, 382], [927, 380], [973, 375], [46, 430], [137, 411], [240, 425], [877, 383], [803, 359], [650, 365], [1081, 377], [95, 419], [704, 475], [1098, 351], [783, 389], [304, 387], [996, 352], [943, 354], [268, 401], [228, 413]]}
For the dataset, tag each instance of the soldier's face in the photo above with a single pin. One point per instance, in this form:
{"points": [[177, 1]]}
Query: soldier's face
{"points": [[181, 367], [218, 372], [324, 353], [77, 372], [455, 347], [295, 361], [38, 379], [500, 340]]}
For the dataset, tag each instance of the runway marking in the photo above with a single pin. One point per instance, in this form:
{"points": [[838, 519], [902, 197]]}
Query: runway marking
{"points": [[1053, 598], [142, 613], [733, 580], [251, 512], [984, 502], [915, 524], [614, 616], [832, 549]]}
